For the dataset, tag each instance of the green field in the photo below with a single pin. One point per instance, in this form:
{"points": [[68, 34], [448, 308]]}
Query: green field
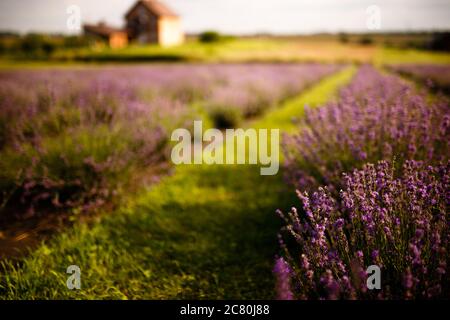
{"points": [[303, 49]]}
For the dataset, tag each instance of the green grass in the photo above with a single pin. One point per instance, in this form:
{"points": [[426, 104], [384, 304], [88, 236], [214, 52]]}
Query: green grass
{"points": [[204, 232], [283, 117], [297, 49], [233, 50], [189, 51], [412, 56], [263, 49]]}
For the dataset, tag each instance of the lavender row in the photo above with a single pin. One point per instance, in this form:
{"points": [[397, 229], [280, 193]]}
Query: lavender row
{"points": [[392, 213], [74, 137], [398, 223], [436, 77], [378, 117]]}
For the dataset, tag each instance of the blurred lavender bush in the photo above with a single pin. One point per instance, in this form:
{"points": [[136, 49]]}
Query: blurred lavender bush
{"points": [[71, 138], [436, 77], [247, 91]]}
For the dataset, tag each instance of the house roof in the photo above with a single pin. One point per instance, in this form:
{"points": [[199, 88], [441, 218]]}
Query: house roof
{"points": [[101, 29], [154, 6]]}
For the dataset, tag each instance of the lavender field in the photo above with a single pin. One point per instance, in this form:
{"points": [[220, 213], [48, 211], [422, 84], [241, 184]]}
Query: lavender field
{"points": [[364, 181], [76, 138]]}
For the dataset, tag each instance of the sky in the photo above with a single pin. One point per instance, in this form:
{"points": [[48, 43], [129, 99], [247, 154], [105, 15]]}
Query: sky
{"points": [[238, 16]]}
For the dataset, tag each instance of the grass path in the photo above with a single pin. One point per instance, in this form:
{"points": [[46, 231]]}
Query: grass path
{"points": [[205, 232]]}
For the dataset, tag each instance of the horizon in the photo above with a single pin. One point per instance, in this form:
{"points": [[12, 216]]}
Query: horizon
{"points": [[269, 17]]}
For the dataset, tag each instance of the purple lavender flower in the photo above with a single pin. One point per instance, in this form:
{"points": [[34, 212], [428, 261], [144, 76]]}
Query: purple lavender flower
{"points": [[434, 76], [77, 135], [377, 118], [339, 238], [283, 272]]}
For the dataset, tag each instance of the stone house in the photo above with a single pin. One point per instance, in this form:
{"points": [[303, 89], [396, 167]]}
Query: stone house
{"points": [[151, 21], [148, 21]]}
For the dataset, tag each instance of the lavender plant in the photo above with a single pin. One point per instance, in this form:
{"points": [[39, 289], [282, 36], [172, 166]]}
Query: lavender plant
{"points": [[436, 77], [378, 117], [392, 214], [256, 89], [72, 146], [396, 221]]}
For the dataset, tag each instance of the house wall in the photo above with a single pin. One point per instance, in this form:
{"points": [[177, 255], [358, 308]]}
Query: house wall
{"points": [[118, 40], [142, 26], [169, 31]]}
